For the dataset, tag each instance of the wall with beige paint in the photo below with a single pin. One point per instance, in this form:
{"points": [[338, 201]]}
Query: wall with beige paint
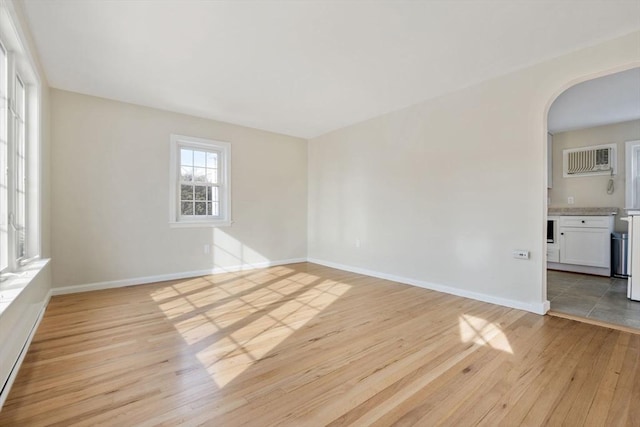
{"points": [[591, 191], [443, 192], [110, 188]]}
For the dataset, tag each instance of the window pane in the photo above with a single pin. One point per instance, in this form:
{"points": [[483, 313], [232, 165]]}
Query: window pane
{"points": [[216, 209], [212, 176], [212, 160], [200, 174], [186, 208], [186, 192], [186, 174], [201, 208], [4, 213], [209, 212], [20, 176], [19, 98], [214, 196], [199, 158], [201, 192], [186, 157]]}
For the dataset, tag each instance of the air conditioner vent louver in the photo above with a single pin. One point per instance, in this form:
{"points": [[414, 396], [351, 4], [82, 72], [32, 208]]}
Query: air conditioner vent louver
{"points": [[598, 160]]}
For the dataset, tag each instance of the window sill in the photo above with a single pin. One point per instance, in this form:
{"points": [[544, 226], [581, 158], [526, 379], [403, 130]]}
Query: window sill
{"points": [[200, 224], [14, 283]]}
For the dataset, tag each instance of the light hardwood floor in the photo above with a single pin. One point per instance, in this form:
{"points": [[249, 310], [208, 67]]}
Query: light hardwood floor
{"points": [[304, 345]]}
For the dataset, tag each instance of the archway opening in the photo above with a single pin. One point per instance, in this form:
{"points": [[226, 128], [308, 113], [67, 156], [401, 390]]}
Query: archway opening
{"points": [[589, 125]]}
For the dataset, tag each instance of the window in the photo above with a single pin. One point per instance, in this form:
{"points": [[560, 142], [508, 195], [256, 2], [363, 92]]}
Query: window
{"points": [[200, 182], [20, 189], [4, 194], [19, 152]]}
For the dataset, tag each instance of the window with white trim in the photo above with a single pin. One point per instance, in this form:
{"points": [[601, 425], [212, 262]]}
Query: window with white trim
{"points": [[19, 152], [20, 167], [4, 173], [200, 182]]}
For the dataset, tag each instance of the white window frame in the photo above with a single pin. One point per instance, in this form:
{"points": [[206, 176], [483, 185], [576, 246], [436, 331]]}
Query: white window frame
{"points": [[5, 258], [19, 212], [177, 142], [20, 65]]}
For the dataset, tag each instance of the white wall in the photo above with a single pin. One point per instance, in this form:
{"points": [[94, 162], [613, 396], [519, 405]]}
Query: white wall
{"points": [[110, 194], [444, 191], [591, 191]]}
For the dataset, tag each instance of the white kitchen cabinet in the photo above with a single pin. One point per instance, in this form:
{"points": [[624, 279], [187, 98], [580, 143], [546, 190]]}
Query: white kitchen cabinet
{"points": [[633, 291], [584, 245], [553, 253]]}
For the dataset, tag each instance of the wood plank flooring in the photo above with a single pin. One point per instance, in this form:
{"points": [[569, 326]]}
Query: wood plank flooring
{"points": [[303, 344]]}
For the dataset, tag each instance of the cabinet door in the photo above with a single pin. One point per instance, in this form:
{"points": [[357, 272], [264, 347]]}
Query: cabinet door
{"points": [[634, 259], [585, 246]]}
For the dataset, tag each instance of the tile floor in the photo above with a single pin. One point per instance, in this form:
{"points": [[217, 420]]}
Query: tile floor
{"points": [[601, 298]]}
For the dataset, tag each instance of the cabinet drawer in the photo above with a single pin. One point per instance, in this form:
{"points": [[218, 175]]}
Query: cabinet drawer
{"points": [[585, 221]]}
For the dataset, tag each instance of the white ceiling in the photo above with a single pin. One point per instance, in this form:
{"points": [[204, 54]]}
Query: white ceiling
{"points": [[304, 68], [611, 99]]}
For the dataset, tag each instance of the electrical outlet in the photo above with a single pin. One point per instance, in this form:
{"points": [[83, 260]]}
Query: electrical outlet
{"points": [[357, 243], [519, 254], [207, 248], [570, 200]]}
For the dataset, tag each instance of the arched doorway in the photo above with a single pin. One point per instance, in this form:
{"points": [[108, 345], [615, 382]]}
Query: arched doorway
{"points": [[588, 126]]}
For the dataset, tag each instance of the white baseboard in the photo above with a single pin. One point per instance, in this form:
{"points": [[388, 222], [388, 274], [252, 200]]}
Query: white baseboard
{"points": [[537, 308], [23, 353], [171, 276]]}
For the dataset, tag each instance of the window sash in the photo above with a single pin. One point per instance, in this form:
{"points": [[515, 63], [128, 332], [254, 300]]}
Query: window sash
{"points": [[19, 150], [4, 148], [20, 187], [18, 101], [211, 181]]}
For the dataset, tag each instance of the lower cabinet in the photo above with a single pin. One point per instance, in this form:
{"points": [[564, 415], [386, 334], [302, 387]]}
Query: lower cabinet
{"points": [[584, 245]]}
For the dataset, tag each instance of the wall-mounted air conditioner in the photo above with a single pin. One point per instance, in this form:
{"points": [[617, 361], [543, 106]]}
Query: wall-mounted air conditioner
{"points": [[587, 161]]}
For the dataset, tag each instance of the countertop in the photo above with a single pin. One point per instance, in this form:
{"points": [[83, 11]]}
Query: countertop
{"points": [[583, 211]]}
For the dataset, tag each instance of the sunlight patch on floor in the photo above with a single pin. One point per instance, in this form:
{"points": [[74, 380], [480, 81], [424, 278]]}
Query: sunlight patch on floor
{"points": [[244, 317], [484, 333], [233, 353], [196, 328]]}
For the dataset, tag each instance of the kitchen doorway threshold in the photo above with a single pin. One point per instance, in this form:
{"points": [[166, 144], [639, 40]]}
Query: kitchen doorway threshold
{"points": [[603, 299], [594, 322]]}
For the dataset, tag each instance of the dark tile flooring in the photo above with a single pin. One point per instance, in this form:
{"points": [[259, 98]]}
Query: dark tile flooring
{"points": [[601, 298]]}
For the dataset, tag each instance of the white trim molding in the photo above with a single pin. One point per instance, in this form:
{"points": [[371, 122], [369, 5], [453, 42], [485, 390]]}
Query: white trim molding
{"points": [[537, 308], [632, 175], [171, 276]]}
